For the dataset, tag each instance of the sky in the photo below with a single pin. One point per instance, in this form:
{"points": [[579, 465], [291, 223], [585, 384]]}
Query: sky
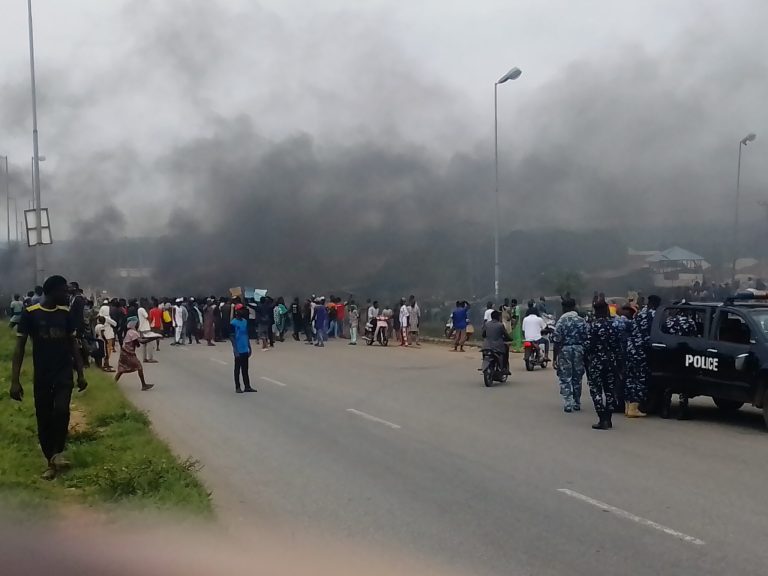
{"points": [[188, 114]]}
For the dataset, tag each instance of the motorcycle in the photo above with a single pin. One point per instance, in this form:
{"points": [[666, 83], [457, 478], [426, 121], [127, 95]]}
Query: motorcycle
{"points": [[492, 367], [532, 353], [533, 356], [379, 333]]}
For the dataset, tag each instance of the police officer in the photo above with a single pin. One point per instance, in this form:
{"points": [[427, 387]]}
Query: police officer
{"points": [[601, 353], [638, 369], [569, 338], [679, 324]]}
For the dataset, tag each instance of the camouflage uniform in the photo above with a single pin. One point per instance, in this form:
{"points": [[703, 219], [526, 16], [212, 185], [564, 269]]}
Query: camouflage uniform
{"points": [[623, 327], [678, 325], [601, 353], [569, 338], [638, 369]]}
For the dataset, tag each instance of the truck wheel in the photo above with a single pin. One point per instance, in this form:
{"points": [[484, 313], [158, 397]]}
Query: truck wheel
{"points": [[728, 405]]}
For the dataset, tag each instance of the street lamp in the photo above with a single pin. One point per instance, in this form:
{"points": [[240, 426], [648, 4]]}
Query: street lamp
{"points": [[36, 155], [513, 74], [751, 137]]}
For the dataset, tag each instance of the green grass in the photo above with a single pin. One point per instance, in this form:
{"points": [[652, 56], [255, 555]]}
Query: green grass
{"points": [[117, 459]]}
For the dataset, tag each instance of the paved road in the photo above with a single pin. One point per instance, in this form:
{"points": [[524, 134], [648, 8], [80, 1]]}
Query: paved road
{"points": [[405, 448]]}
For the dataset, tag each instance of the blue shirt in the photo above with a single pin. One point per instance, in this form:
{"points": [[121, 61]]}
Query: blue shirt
{"points": [[459, 317], [240, 344]]}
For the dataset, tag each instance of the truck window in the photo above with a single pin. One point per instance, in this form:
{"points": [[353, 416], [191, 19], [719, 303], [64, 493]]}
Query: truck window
{"points": [[669, 326], [732, 328]]}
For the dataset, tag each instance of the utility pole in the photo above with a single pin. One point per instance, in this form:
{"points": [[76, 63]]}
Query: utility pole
{"points": [[39, 268]]}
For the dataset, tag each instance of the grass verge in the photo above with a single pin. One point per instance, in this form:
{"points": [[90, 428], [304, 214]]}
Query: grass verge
{"points": [[116, 457]]}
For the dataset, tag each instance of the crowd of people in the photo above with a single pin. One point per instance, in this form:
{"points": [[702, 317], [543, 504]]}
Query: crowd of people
{"points": [[609, 345]]}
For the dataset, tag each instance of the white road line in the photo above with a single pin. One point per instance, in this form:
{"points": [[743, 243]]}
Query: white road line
{"points": [[219, 361], [629, 516], [273, 381], [373, 418]]}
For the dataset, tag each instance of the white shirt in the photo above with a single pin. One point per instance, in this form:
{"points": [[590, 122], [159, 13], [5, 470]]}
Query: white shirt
{"points": [[104, 311], [487, 315], [178, 315], [404, 316], [532, 327], [372, 313], [143, 320]]}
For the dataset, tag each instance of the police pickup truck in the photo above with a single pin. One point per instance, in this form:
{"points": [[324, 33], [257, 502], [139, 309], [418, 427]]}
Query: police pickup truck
{"points": [[727, 358]]}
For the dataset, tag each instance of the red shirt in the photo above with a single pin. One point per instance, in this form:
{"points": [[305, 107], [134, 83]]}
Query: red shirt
{"points": [[156, 318], [340, 311]]}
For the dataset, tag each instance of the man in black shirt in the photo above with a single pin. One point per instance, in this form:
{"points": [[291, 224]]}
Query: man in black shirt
{"points": [[55, 355], [296, 319]]}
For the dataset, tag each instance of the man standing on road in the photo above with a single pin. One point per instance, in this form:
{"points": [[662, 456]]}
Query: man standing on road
{"points": [[601, 354], [241, 347], [414, 321], [404, 318], [55, 355], [459, 318], [145, 328], [296, 319], [354, 322], [179, 312], [638, 369], [320, 319], [569, 338]]}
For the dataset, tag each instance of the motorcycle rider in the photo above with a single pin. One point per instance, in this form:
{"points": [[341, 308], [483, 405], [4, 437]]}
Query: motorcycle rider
{"points": [[533, 325], [495, 338]]}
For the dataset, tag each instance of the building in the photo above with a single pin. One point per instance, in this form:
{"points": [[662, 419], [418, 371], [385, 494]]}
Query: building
{"points": [[676, 268]]}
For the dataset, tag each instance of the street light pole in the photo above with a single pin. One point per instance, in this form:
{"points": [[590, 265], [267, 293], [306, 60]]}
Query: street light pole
{"points": [[742, 143], [39, 271], [513, 74]]}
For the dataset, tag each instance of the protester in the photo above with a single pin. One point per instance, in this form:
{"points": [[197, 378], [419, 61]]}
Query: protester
{"points": [[194, 321], [209, 322], [156, 321], [241, 348], [103, 344], [179, 318], [353, 316], [340, 317], [55, 357], [533, 326], [459, 319], [37, 295], [129, 361], [297, 322], [404, 318], [16, 307], [280, 314], [488, 312], [319, 321], [414, 321], [145, 331], [306, 320], [516, 326], [332, 317], [264, 319]]}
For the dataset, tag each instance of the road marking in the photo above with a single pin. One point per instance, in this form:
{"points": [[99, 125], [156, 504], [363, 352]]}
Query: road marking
{"points": [[373, 418], [629, 516], [219, 361], [273, 381]]}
